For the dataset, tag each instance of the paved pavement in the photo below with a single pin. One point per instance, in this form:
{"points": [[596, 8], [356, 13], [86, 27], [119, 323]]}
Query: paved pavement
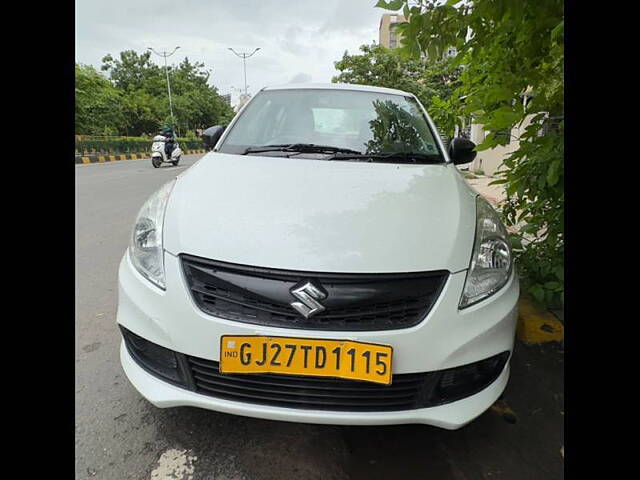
{"points": [[121, 436], [493, 193]]}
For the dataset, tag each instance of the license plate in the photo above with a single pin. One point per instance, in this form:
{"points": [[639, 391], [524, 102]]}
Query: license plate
{"points": [[347, 359]]}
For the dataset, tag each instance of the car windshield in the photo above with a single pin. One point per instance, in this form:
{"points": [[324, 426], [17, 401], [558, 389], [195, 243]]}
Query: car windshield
{"points": [[305, 120]]}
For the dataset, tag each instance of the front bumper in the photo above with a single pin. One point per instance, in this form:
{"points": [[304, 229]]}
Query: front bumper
{"points": [[446, 338], [450, 416]]}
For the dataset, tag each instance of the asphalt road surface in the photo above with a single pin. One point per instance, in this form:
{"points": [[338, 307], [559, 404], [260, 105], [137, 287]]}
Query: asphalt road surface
{"points": [[119, 435]]}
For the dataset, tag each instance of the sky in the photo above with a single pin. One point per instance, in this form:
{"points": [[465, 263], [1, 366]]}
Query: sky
{"points": [[299, 40]]}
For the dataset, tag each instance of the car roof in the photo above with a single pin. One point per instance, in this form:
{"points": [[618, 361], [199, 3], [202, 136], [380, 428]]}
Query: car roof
{"points": [[335, 86]]}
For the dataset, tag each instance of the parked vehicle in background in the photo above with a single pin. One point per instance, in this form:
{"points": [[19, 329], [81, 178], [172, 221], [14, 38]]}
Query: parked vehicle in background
{"points": [[325, 263], [159, 154]]}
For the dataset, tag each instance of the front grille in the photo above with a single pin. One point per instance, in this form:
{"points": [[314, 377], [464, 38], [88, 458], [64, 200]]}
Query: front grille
{"points": [[408, 391], [354, 301]]}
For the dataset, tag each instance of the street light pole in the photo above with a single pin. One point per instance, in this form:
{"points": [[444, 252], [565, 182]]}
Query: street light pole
{"points": [[244, 68], [166, 71], [244, 57]]}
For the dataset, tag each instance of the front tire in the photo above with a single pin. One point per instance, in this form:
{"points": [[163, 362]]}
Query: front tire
{"points": [[156, 162], [175, 163]]}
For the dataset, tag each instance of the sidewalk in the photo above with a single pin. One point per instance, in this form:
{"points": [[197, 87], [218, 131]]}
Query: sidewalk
{"points": [[493, 193]]}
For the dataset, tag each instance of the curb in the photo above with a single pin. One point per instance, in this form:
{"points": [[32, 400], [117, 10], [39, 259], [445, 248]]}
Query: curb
{"points": [[536, 325], [93, 158]]}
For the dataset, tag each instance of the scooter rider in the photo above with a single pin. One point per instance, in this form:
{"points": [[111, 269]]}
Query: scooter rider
{"points": [[170, 142]]}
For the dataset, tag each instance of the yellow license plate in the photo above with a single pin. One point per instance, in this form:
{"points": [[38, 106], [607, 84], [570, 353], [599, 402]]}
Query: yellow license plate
{"points": [[368, 362]]}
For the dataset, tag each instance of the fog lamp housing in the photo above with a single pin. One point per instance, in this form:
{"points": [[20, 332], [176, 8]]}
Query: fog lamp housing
{"points": [[155, 359]]}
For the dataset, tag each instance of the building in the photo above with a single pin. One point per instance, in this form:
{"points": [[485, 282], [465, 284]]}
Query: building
{"points": [[489, 161], [227, 98], [242, 100], [387, 35]]}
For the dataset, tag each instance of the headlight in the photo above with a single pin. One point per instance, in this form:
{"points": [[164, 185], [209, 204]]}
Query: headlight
{"points": [[146, 250], [491, 258]]}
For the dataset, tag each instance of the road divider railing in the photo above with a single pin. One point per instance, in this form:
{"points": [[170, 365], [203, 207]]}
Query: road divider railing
{"points": [[101, 158]]}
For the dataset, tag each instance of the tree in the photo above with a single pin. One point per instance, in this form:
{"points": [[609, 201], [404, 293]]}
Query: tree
{"points": [[99, 106], [133, 99], [393, 130], [431, 81], [196, 102], [133, 71], [143, 112], [511, 50]]}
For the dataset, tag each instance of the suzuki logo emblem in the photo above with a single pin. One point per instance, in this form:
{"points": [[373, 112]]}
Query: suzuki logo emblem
{"points": [[308, 293]]}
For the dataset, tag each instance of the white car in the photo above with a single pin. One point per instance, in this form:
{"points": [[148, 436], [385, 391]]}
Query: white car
{"points": [[325, 263]]}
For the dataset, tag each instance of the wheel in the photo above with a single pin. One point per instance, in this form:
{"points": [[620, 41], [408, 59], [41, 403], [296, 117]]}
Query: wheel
{"points": [[156, 162], [175, 162]]}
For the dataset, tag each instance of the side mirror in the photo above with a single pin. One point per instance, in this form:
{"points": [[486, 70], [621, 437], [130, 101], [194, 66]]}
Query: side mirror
{"points": [[462, 150], [211, 136]]}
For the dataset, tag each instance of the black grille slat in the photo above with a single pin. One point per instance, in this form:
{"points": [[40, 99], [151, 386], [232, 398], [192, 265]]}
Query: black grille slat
{"points": [[314, 393], [306, 402], [278, 380], [335, 314], [292, 380], [245, 303], [355, 301], [246, 379], [212, 369], [318, 393]]}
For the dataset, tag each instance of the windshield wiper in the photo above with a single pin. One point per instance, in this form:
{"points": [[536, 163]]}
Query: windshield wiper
{"points": [[395, 157], [300, 148]]}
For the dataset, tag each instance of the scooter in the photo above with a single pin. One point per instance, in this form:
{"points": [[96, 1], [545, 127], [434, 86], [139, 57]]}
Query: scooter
{"points": [[158, 154]]}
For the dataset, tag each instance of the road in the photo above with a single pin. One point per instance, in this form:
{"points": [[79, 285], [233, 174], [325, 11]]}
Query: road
{"points": [[119, 435]]}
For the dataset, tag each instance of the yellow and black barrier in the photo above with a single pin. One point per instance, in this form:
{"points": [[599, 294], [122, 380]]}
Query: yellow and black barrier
{"points": [[95, 158], [537, 325]]}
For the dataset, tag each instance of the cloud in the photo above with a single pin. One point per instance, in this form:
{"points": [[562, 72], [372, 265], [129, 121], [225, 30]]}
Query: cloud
{"points": [[302, 36], [353, 18], [300, 78]]}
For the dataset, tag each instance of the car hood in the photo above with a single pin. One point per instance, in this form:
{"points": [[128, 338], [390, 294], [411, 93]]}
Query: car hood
{"points": [[322, 216]]}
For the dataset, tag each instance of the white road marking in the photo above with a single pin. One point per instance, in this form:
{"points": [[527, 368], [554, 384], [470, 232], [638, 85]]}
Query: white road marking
{"points": [[174, 464]]}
